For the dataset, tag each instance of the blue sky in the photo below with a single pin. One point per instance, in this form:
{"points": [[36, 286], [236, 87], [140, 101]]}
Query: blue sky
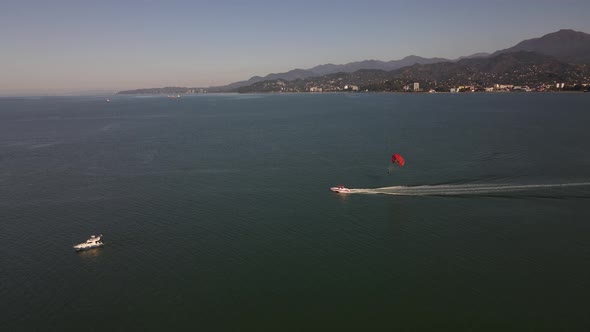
{"points": [[55, 47]]}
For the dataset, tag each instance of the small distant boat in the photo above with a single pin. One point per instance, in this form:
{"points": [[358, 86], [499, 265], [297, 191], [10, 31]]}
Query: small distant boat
{"points": [[108, 100], [91, 243], [173, 96], [340, 189]]}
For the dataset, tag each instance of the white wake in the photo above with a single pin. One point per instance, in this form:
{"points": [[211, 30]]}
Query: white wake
{"points": [[462, 189]]}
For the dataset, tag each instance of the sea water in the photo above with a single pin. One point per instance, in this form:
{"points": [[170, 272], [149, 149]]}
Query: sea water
{"points": [[217, 215]]}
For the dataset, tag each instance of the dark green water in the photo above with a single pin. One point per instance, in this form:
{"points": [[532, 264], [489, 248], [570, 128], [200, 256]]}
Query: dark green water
{"points": [[217, 214]]}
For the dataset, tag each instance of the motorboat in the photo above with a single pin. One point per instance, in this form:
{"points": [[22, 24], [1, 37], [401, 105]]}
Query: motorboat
{"points": [[340, 189], [93, 242]]}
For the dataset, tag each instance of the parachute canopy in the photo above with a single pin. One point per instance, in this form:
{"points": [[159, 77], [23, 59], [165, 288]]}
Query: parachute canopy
{"points": [[397, 158]]}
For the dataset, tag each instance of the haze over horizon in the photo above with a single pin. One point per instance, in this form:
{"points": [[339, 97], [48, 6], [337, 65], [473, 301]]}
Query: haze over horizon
{"points": [[66, 47]]}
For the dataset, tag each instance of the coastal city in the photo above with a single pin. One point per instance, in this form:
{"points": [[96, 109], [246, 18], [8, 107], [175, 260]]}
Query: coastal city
{"points": [[334, 86], [281, 86]]}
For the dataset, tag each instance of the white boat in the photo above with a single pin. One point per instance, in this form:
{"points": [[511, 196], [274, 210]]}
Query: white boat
{"points": [[340, 189], [91, 243]]}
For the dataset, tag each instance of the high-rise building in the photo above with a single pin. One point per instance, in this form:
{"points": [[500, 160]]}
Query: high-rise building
{"points": [[416, 86]]}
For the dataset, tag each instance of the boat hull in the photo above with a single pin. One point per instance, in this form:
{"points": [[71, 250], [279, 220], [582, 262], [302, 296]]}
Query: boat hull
{"points": [[89, 247], [340, 190]]}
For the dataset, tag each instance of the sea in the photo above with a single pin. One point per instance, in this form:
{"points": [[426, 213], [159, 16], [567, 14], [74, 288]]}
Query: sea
{"points": [[216, 212]]}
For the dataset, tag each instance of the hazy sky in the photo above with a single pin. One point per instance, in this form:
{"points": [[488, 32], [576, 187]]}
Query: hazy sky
{"points": [[54, 47]]}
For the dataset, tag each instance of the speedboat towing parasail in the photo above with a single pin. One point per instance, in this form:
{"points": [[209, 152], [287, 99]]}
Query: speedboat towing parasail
{"points": [[340, 189]]}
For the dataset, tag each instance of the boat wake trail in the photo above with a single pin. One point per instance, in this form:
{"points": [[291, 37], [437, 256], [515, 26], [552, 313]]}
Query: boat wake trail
{"points": [[463, 189]]}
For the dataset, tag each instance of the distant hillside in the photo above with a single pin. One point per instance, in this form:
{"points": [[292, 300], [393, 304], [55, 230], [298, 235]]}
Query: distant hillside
{"points": [[475, 55], [515, 68], [289, 76], [565, 45]]}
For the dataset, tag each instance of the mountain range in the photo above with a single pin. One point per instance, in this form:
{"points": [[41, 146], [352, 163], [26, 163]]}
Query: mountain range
{"points": [[329, 68], [564, 47]]}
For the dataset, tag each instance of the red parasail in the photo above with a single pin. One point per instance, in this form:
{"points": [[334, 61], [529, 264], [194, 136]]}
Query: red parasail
{"points": [[397, 158]]}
